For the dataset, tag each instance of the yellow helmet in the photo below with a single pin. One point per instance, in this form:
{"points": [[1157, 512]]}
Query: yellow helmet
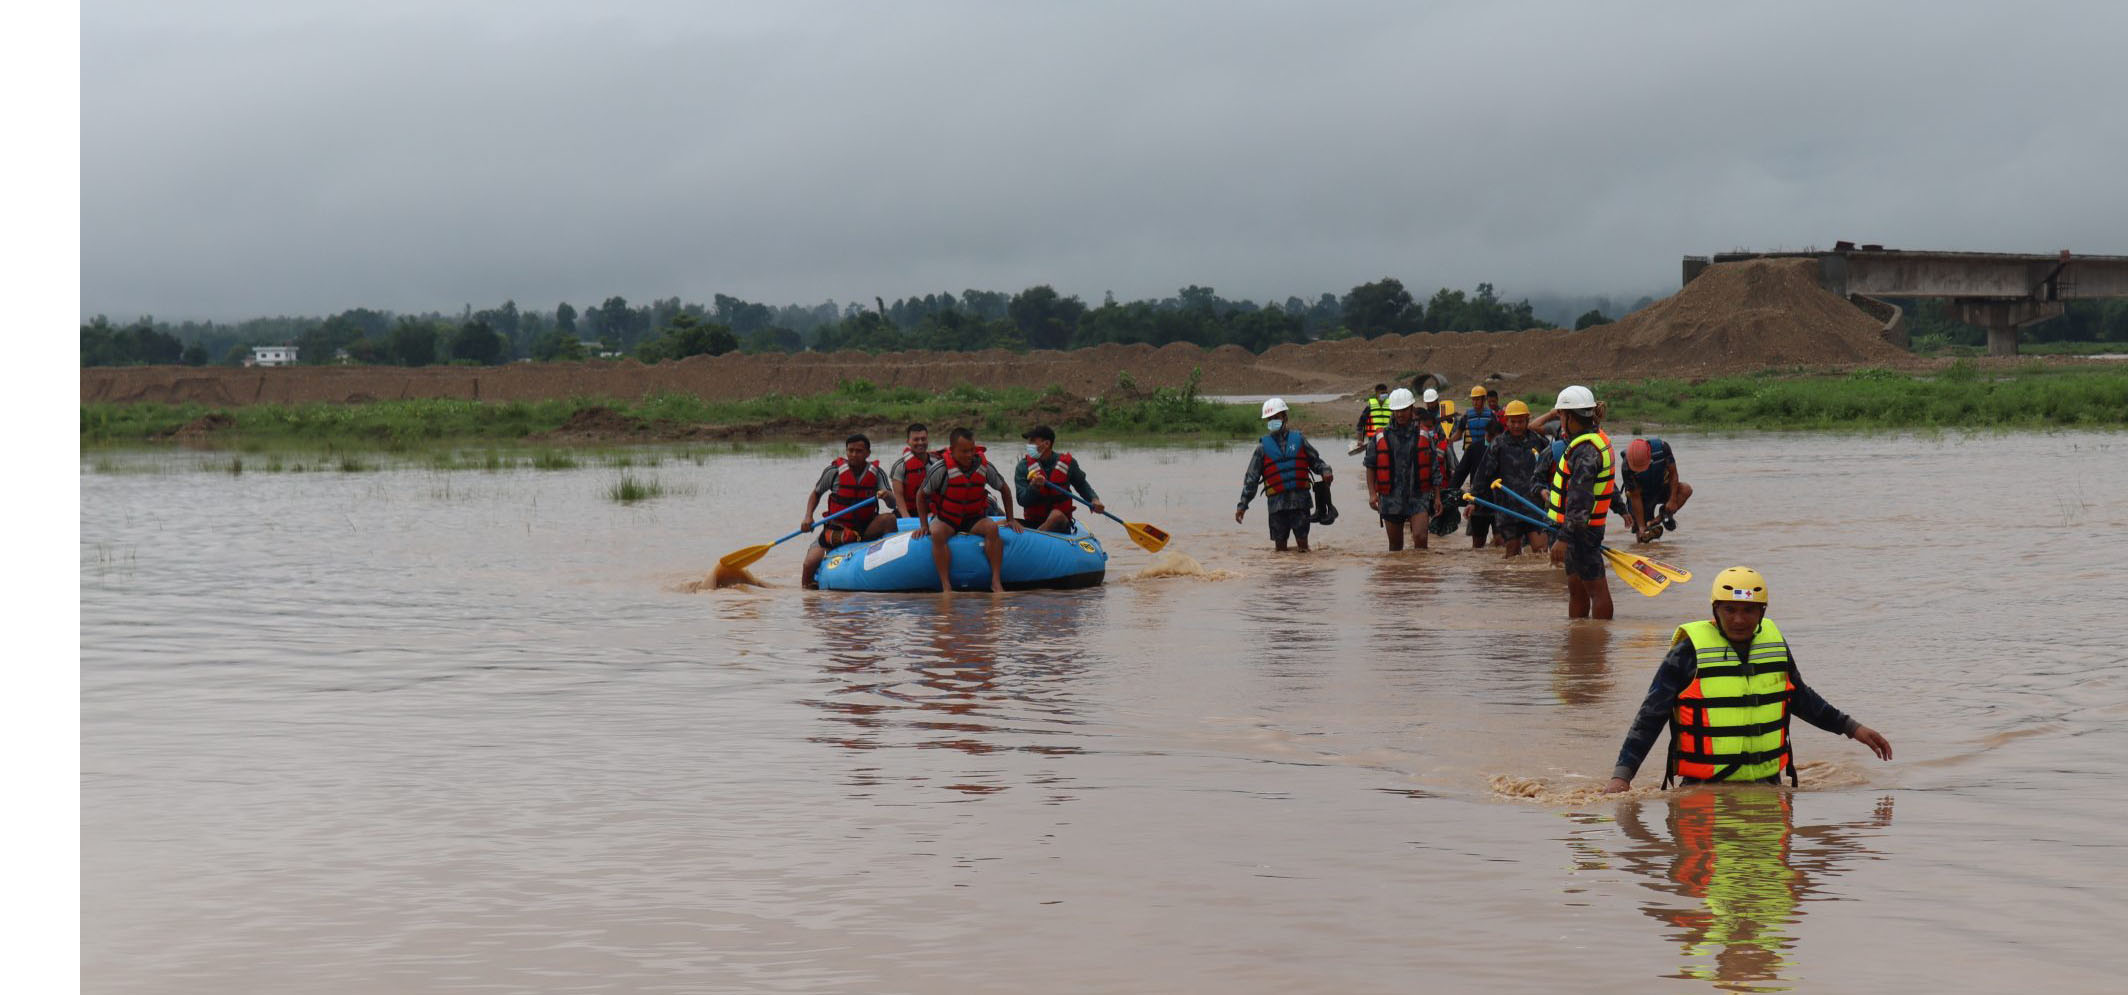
{"points": [[1515, 408], [1448, 408], [1740, 584], [1478, 391]]}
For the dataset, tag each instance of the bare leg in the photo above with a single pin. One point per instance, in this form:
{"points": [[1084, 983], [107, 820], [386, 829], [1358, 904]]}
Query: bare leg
{"points": [[1678, 496], [994, 550], [942, 555], [1396, 534], [1057, 521], [813, 556], [880, 526], [1577, 598], [1599, 596]]}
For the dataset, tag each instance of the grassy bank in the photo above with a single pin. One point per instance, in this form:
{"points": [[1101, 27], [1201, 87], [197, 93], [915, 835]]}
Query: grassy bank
{"points": [[401, 425], [1961, 395]]}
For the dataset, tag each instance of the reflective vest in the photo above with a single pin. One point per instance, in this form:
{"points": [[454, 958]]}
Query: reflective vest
{"points": [[851, 487], [1603, 485], [964, 498], [1377, 415], [1423, 473], [912, 478], [1284, 469], [1731, 722], [1041, 500]]}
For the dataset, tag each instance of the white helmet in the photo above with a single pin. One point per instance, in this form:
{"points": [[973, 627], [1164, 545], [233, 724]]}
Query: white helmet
{"points": [[1575, 398], [1399, 399], [1274, 406], [1432, 396]]}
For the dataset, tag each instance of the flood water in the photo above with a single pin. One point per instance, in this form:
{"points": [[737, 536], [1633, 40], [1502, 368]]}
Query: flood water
{"points": [[423, 731]]}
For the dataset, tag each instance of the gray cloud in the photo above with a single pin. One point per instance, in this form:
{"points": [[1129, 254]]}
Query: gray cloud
{"points": [[253, 158]]}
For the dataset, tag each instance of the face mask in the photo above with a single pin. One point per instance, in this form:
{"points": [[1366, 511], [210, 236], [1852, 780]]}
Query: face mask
{"points": [[1033, 451], [1384, 398], [1275, 424]]}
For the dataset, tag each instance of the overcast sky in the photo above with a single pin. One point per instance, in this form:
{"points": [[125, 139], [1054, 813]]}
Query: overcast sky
{"points": [[253, 158]]}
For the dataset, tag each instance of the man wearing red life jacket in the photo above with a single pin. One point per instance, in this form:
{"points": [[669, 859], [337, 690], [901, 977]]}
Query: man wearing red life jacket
{"points": [[850, 479], [1404, 473], [905, 476], [955, 499], [1048, 506]]}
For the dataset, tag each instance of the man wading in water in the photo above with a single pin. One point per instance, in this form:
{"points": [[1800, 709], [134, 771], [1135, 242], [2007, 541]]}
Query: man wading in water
{"points": [[1282, 462], [1727, 689], [1580, 498], [1404, 474]]}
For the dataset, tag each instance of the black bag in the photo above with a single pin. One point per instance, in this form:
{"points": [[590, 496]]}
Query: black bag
{"points": [[1451, 516], [1325, 512]]}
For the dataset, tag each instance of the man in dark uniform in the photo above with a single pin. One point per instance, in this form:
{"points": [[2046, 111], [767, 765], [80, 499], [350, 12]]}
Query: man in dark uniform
{"points": [[1583, 484]]}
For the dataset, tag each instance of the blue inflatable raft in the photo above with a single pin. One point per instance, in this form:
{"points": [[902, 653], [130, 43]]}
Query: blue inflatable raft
{"points": [[902, 561]]}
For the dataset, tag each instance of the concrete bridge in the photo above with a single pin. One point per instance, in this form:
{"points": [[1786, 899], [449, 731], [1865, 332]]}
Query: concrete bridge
{"points": [[1999, 291]]}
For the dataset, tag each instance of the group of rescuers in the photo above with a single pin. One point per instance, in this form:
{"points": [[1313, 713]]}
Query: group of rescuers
{"points": [[948, 493], [1726, 689], [1417, 481]]}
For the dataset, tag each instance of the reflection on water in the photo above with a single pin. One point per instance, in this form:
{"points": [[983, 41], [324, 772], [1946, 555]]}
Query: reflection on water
{"points": [[980, 675], [1735, 870], [1583, 674]]}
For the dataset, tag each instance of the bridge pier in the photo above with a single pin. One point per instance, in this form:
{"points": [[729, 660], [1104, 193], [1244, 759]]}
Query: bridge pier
{"points": [[2002, 318]]}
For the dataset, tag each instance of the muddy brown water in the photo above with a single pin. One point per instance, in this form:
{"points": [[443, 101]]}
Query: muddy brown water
{"points": [[418, 731]]}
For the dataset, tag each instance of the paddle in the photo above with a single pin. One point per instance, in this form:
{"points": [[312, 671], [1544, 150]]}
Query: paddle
{"points": [[1635, 573], [745, 558], [1678, 574], [1152, 537]]}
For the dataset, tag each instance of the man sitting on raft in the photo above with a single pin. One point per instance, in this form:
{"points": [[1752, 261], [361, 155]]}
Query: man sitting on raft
{"points": [[852, 478], [1044, 481], [954, 500]]}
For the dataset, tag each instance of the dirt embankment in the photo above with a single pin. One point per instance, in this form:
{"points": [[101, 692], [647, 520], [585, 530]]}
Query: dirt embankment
{"points": [[1735, 318]]}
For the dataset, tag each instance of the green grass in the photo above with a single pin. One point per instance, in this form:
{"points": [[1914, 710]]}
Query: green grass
{"points": [[630, 489], [427, 426], [1962, 395]]}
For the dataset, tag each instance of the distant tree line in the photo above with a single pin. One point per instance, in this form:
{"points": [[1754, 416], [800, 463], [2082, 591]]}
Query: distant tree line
{"points": [[670, 328]]}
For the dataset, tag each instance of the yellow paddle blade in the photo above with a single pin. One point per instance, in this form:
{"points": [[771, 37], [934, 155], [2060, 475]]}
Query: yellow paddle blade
{"points": [[1677, 575], [1638, 576], [745, 557], [1152, 537]]}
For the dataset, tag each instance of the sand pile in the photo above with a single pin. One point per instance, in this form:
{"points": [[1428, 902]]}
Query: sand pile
{"points": [[1745, 316]]}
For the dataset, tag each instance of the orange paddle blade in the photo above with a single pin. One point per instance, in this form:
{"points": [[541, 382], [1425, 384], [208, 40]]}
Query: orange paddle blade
{"points": [[745, 557]]}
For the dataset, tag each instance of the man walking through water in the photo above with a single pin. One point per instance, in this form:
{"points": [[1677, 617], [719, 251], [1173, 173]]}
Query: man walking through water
{"points": [[954, 500], [1404, 474], [1516, 462], [1727, 689], [1282, 462], [1580, 499]]}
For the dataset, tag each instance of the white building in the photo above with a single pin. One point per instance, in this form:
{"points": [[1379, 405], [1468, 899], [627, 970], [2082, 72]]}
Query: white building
{"points": [[272, 355]]}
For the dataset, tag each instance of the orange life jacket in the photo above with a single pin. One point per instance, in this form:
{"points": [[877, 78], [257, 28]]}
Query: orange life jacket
{"points": [[912, 478], [963, 499], [1426, 451], [851, 487]]}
